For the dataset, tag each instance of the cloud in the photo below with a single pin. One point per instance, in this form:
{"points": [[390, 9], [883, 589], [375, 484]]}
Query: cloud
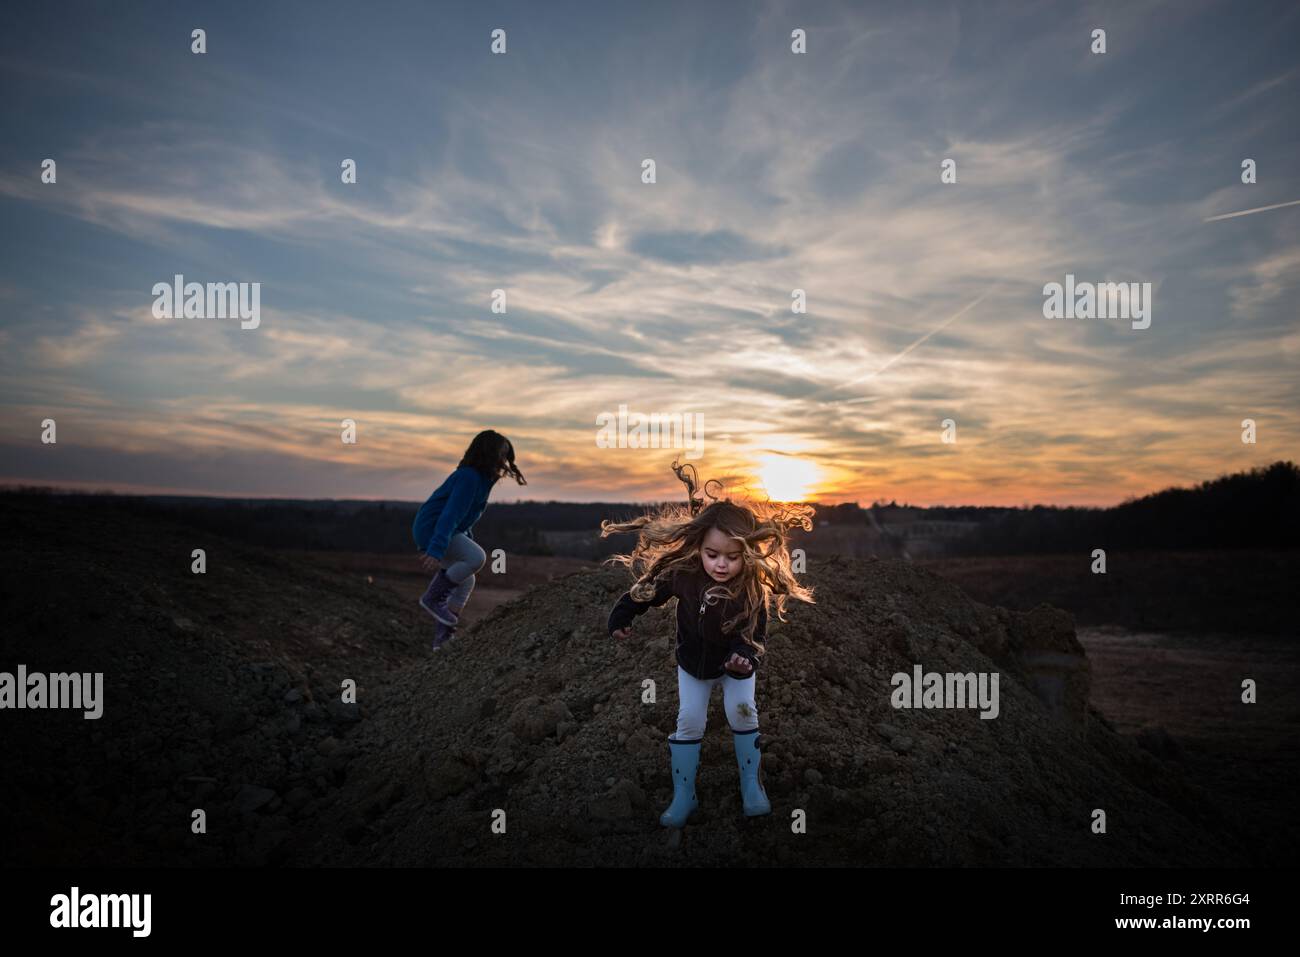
{"points": [[776, 172]]}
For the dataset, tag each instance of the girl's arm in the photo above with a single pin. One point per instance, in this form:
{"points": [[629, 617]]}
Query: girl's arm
{"points": [[453, 510], [739, 646], [629, 608]]}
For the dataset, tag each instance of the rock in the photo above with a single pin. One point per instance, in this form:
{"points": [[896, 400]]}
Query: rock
{"points": [[1156, 740], [613, 806], [187, 762], [339, 759], [250, 798], [535, 719], [234, 723], [344, 713], [1043, 644], [445, 776], [314, 712]]}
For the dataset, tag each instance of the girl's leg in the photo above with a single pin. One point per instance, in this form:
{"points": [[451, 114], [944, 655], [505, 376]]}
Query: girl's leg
{"points": [[459, 595], [692, 708], [684, 746], [738, 699], [461, 560], [450, 588]]}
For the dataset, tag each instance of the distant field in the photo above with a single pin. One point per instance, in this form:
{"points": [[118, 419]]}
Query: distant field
{"points": [[1229, 591], [1188, 687]]}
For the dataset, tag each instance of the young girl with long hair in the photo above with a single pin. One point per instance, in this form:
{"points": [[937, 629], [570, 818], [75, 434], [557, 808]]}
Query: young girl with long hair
{"points": [[724, 562], [443, 527]]}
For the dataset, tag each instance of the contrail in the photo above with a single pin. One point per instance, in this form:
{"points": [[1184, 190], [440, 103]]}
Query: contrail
{"points": [[933, 332], [1257, 209]]}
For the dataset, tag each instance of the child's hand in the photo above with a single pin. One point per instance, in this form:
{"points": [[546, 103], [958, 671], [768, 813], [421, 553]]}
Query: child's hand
{"points": [[430, 564], [739, 663], [622, 633]]}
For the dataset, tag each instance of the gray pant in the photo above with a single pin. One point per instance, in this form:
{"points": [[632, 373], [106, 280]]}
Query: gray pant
{"points": [[460, 561]]}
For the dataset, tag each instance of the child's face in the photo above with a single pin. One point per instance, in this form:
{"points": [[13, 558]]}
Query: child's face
{"points": [[720, 556]]}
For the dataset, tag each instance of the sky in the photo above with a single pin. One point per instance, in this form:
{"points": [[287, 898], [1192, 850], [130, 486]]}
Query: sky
{"points": [[923, 369]]}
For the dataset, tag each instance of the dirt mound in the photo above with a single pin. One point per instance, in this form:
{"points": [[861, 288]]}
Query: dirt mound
{"points": [[536, 713], [221, 690]]}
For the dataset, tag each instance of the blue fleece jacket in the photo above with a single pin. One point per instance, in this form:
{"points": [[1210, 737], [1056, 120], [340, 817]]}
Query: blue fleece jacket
{"points": [[454, 507]]}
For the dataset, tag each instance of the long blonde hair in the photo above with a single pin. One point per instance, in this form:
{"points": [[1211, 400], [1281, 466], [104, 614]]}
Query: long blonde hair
{"points": [[670, 539]]}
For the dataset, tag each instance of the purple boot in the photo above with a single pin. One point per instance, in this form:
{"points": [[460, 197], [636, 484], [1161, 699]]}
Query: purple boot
{"points": [[442, 634], [434, 600]]}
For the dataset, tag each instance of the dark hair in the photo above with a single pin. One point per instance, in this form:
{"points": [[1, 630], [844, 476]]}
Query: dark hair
{"points": [[492, 454]]}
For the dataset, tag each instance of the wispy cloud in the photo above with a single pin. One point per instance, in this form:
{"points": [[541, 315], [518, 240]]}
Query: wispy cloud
{"points": [[775, 173]]}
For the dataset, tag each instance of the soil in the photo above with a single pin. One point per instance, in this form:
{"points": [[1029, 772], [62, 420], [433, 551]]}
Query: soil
{"points": [[223, 694]]}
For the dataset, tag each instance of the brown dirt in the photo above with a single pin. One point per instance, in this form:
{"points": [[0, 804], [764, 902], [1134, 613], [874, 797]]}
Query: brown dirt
{"points": [[222, 692], [535, 712]]}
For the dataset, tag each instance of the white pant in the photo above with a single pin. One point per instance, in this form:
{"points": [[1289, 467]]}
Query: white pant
{"points": [[692, 713]]}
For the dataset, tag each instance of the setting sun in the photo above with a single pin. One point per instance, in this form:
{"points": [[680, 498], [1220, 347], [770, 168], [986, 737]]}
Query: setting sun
{"points": [[787, 479]]}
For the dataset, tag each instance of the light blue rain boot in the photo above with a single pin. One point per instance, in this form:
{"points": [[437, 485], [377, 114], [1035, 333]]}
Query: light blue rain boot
{"points": [[685, 759], [747, 757]]}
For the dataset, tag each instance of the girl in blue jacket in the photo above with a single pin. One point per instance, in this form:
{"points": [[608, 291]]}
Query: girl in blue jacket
{"points": [[729, 559], [443, 525]]}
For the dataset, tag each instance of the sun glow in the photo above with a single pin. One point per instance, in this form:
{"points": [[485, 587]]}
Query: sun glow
{"points": [[787, 479]]}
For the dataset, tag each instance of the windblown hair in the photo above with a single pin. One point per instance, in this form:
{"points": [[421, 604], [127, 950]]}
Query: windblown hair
{"points": [[670, 540], [492, 454]]}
